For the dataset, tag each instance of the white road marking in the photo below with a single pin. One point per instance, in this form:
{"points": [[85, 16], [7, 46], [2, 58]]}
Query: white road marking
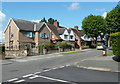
{"points": [[55, 68], [19, 81], [35, 76], [67, 65], [37, 72], [12, 79], [27, 75], [49, 78], [61, 66], [47, 70]]}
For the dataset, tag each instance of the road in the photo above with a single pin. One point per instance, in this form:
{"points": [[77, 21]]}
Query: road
{"points": [[56, 62]]}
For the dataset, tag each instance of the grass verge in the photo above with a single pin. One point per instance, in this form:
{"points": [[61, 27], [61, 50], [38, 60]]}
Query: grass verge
{"points": [[66, 53], [108, 54]]}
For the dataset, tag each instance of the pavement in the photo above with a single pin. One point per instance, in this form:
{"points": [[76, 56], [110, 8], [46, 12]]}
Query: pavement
{"points": [[6, 62], [102, 63], [31, 58]]}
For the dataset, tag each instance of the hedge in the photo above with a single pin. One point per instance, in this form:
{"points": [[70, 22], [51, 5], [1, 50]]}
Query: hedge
{"points": [[2, 49], [115, 37]]}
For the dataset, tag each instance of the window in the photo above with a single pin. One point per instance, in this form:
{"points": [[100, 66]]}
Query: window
{"points": [[30, 35], [52, 35], [71, 37], [65, 36], [44, 35], [12, 35]]}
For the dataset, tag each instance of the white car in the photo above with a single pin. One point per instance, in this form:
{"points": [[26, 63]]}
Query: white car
{"points": [[101, 47]]}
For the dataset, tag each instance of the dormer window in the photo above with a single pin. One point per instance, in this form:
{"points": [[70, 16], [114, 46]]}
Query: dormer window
{"points": [[71, 37], [65, 36]]}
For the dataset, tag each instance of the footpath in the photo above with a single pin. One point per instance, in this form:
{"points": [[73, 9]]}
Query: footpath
{"points": [[102, 63]]}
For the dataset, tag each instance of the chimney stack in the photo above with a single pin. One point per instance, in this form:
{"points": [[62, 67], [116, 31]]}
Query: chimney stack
{"points": [[69, 28], [76, 27], [56, 23]]}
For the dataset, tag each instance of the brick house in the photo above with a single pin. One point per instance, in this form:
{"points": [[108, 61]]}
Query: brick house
{"points": [[21, 33]]}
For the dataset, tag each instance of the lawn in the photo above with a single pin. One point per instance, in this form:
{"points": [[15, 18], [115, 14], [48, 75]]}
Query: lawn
{"points": [[66, 53], [109, 54]]}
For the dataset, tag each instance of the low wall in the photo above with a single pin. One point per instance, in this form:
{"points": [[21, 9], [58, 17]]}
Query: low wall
{"points": [[15, 53]]}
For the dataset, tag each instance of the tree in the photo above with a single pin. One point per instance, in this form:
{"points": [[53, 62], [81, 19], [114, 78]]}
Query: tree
{"points": [[43, 20], [113, 20], [94, 26], [51, 20], [118, 5]]}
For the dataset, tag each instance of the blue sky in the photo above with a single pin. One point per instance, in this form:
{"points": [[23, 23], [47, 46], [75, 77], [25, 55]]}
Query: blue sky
{"points": [[69, 14]]}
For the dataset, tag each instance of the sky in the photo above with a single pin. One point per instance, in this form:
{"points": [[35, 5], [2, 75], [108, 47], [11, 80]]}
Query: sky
{"points": [[69, 14]]}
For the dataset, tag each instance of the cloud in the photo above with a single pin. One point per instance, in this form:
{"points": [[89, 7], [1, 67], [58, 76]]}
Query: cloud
{"points": [[74, 6], [2, 37], [100, 10], [2, 18], [104, 14], [36, 21]]}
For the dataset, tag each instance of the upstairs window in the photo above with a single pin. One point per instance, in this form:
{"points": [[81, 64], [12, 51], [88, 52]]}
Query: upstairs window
{"points": [[30, 35], [71, 37], [52, 35], [12, 35], [65, 36], [44, 35]]}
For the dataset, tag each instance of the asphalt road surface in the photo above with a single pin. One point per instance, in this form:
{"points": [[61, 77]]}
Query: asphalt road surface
{"points": [[69, 75], [56, 68]]}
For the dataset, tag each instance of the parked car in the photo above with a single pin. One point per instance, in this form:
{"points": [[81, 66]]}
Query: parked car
{"points": [[110, 48], [101, 47]]}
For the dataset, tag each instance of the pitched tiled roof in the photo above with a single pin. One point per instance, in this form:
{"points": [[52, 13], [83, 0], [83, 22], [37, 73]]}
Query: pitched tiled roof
{"points": [[69, 31], [24, 25], [79, 33], [61, 30], [29, 26], [54, 30]]}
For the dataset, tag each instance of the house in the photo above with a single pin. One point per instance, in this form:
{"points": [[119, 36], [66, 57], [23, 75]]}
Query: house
{"points": [[21, 34]]}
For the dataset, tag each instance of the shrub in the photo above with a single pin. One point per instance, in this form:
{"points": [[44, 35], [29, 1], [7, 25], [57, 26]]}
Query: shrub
{"points": [[44, 45], [116, 43], [64, 45], [2, 49], [51, 46], [48, 46]]}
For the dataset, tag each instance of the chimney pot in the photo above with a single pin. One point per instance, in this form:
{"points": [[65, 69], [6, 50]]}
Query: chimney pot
{"points": [[76, 27]]}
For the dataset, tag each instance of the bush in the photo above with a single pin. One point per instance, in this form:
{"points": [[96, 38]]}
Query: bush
{"points": [[51, 46], [48, 46], [2, 49], [64, 44], [116, 43]]}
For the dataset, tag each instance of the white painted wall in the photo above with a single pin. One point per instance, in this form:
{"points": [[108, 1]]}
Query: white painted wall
{"points": [[72, 34], [85, 37], [66, 33]]}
